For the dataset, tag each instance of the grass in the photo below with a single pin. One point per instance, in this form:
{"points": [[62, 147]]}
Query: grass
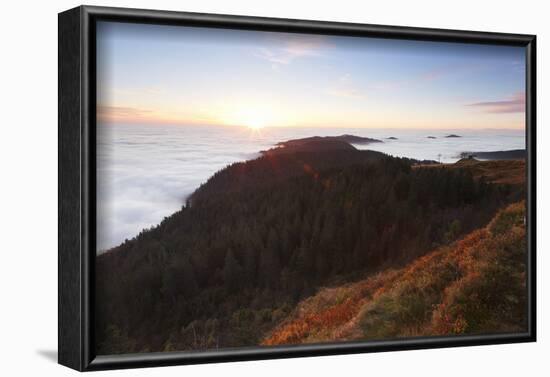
{"points": [[510, 172]]}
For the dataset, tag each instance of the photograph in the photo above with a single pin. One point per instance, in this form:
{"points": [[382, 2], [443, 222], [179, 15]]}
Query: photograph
{"points": [[258, 189]]}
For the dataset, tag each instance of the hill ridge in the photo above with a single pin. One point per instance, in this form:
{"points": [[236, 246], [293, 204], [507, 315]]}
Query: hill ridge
{"points": [[227, 269]]}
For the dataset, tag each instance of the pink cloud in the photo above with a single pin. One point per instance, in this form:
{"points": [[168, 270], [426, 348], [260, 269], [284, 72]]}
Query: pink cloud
{"points": [[111, 113], [516, 104]]}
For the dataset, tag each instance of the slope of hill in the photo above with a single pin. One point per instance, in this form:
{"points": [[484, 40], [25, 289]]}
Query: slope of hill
{"points": [[273, 168], [262, 235], [475, 285]]}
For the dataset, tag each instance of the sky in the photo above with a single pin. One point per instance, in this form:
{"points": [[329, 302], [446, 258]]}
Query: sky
{"points": [[159, 74]]}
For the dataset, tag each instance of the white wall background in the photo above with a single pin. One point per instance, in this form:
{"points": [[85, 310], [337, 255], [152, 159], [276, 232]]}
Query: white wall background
{"points": [[28, 188]]}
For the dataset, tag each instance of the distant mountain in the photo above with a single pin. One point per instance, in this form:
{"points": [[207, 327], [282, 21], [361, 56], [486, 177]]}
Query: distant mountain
{"points": [[261, 235], [351, 139], [473, 286], [514, 154], [320, 143], [452, 135]]}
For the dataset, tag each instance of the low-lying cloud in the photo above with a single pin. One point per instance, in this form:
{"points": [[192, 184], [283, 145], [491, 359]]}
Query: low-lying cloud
{"points": [[145, 173]]}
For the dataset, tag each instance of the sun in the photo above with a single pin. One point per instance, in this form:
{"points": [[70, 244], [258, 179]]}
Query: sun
{"points": [[254, 118], [255, 125]]}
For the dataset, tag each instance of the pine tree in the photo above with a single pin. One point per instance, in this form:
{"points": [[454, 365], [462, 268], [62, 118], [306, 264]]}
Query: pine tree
{"points": [[232, 271]]}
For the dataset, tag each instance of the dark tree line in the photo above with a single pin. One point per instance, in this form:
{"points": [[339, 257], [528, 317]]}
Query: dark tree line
{"points": [[261, 235]]}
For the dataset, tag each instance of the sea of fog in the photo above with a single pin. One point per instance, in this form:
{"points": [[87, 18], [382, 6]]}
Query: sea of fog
{"points": [[145, 172]]}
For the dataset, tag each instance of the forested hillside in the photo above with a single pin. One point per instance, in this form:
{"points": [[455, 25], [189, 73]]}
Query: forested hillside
{"points": [[262, 235]]}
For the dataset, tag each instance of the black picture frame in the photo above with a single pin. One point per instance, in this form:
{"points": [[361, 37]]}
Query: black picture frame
{"points": [[77, 182]]}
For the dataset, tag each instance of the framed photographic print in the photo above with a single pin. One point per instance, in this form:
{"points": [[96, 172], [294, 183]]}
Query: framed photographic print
{"points": [[238, 188]]}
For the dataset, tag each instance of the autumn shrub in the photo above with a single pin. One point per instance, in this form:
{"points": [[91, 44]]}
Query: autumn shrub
{"points": [[492, 295]]}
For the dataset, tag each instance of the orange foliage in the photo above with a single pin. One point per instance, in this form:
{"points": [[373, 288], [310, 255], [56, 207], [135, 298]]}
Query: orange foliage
{"points": [[326, 319], [337, 313]]}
